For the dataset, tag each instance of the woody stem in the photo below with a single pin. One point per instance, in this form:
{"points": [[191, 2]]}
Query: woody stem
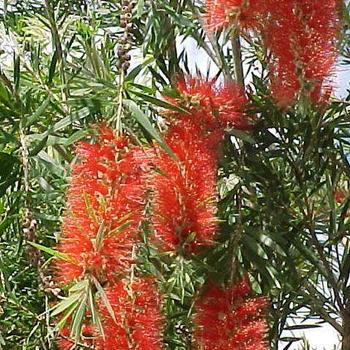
{"points": [[237, 58]]}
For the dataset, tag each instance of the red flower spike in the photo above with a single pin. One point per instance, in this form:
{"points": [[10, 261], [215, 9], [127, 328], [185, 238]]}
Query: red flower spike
{"points": [[64, 342], [184, 191], [241, 13], [300, 34], [139, 323], [339, 195], [87, 339], [106, 193], [212, 107], [302, 38], [230, 102], [227, 319]]}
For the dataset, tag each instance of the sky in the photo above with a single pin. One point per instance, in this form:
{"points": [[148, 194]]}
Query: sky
{"points": [[342, 80]]}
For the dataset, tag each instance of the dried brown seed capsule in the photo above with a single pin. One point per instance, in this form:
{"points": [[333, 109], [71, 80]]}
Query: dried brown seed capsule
{"points": [[120, 52], [123, 40], [26, 222], [128, 16]]}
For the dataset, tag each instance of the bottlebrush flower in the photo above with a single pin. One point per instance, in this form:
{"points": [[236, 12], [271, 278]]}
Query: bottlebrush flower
{"points": [[301, 36], [184, 190], [105, 196], [240, 13], [339, 195], [87, 338], [211, 106], [226, 319], [230, 103], [139, 322]]}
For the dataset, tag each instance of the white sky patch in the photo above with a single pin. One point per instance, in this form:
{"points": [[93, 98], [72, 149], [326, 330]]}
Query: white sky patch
{"points": [[322, 338]]}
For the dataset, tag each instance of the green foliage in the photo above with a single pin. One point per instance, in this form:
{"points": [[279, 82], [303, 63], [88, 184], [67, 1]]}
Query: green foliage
{"points": [[280, 221]]}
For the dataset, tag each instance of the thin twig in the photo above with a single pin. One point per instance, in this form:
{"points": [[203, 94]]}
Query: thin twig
{"points": [[237, 57], [328, 269], [120, 103], [320, 309], [215, 55], [25, 160]]}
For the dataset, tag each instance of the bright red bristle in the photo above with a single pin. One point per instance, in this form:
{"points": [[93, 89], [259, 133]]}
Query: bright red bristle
{"points": [[212, 107], [106, 193], [230, 103], [184, 190], [226, 318], [138, 320], [301, 36], [241, 13], [87, 338], [339, 195]]}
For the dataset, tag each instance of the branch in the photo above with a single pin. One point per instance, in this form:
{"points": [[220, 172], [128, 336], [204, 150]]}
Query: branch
{"points": [[237, 57], [215, 55], [320, 309], [328, 269]]}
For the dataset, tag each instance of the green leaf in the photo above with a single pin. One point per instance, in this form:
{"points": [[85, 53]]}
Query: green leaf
{"points": [[120, 228], [79, 286], [100, 235], [137, 70], [78, 318], [39, 147], [66, 303], [52, 68], [104, 298], [55, 253], [244, 136], [51, 164], [146, 124], [67, 121], [96, 319], [77, 136], [139, 8], [17, 72], [158, 102], [69, 310], [38, 113]]}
